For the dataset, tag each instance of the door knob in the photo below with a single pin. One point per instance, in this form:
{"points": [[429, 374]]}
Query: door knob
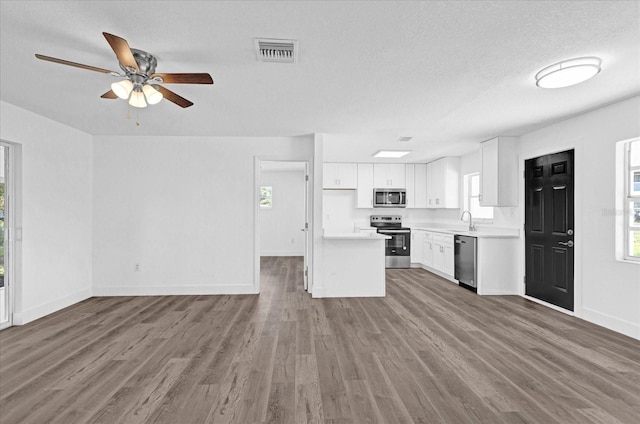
{"points": [[568, 244]]}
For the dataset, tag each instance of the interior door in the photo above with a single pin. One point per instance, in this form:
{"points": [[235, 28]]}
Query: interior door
{"points": [[549, 228]]}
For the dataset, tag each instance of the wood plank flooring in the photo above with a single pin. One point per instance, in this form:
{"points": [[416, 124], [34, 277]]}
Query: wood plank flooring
{"points": [[430, 352]]}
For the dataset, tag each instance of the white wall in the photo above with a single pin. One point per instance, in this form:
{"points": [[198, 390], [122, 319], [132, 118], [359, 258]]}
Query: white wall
{"points": [[280, 225], [55, 216], [607, 290], [183, 208]]}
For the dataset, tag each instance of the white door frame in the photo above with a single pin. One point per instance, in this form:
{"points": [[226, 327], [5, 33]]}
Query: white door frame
{"points": [[578, 223], [256, 219], [9, 228]]}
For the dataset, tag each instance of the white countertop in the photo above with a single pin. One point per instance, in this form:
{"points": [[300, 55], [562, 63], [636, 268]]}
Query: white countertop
{"points": [[481, 232], [355, 236]]}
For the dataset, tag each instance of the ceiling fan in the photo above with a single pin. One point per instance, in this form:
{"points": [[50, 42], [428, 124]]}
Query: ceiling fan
{"points": [[142, 84]]}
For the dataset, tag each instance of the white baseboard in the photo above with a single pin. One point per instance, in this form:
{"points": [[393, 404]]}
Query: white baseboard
{"points": [[497, 293], [318, 292], [550, 305], [174, 290], [280, 253], [627, 328], [24, 317], [439, 273]]}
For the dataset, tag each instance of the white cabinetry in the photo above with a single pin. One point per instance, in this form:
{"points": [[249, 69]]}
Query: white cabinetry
{"points": [[389, 175], [499, 172], [417, 239], [365, 185], [339, 176], [427, 249], [443, 183], [416, 185], [443, 253]]}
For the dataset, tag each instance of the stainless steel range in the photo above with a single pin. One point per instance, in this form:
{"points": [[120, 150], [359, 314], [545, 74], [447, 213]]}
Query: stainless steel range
{"points": [[398, 247]]}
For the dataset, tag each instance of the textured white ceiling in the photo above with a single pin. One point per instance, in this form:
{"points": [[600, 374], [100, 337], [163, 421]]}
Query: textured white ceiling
{"points": [[450, 74]]}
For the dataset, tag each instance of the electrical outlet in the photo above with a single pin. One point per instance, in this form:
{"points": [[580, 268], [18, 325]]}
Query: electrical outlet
{"points": [[136, 267]]}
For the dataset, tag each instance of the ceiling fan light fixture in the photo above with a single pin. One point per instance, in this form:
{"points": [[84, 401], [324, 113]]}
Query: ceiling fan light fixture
{"points": [[568, 72], [152, 95], [122, 89], [137, 99]]}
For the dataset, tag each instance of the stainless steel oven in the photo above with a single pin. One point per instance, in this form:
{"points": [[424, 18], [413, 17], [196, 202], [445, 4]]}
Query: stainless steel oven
{"points": [[398, 247]]}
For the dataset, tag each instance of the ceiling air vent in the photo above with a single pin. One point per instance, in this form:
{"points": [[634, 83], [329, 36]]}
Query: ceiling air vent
{"points": [[273, 50]]}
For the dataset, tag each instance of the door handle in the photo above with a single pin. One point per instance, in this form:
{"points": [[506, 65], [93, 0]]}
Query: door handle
{"points": [[568, 244]]}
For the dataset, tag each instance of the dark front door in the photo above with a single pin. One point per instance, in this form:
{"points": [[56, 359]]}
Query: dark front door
{"points": [[549, 230]]}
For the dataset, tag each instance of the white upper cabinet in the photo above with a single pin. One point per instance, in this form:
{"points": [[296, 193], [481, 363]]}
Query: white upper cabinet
{"points": [[420, 193], [416, 185], [365, 185], [443, 183], [499, 172], [339, 176], [389, 175]]}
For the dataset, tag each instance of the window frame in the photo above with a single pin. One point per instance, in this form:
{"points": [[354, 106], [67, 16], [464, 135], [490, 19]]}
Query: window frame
{"points": [[467, 196]]}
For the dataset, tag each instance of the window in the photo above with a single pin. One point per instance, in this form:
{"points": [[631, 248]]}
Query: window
{"points": [[472, 198], [632, 203], [266, 197]]}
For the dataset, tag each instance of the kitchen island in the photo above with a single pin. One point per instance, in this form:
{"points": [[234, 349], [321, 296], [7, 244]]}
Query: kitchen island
{"points": [[353, 265]]}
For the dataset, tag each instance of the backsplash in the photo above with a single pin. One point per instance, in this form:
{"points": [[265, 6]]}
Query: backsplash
{"points": [[339, 213]]}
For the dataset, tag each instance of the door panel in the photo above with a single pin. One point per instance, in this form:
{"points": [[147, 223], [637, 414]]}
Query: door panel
{"points": [[560, 201], [549, 226], [560, 269], [537, 209]]}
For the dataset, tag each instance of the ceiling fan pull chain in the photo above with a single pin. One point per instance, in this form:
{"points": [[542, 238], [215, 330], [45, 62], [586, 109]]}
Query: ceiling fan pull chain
{"points": [[128, 111], [137, 117]]}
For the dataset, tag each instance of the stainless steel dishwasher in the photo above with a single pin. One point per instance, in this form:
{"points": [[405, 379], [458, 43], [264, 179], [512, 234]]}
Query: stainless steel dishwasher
{"points": [[466, 259]]}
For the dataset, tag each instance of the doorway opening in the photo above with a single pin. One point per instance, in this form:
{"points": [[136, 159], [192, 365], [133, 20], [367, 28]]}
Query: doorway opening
{"points": [[550, 229], [282, 223]]}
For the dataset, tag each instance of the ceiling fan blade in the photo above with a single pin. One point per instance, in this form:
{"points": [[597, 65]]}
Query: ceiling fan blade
{"points": [[122, 50], [173, 97], [109, 95], [185, 78], [77, 65]]}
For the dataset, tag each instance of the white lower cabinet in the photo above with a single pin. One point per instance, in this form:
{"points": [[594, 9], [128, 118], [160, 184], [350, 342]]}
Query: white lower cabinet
{"points": [[437, 252], [427, 249], [417, 237]]}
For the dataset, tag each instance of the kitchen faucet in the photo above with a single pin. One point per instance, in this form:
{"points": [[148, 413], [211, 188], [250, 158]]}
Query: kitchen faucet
{"points": [[471, 226]]}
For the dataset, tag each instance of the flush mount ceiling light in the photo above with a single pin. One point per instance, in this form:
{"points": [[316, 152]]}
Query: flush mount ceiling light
{"points": [[568, 72], [391, 153]]}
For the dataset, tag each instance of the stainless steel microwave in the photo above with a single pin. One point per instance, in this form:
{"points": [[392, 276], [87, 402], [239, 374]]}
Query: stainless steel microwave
{"points": [[389, 198]]}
